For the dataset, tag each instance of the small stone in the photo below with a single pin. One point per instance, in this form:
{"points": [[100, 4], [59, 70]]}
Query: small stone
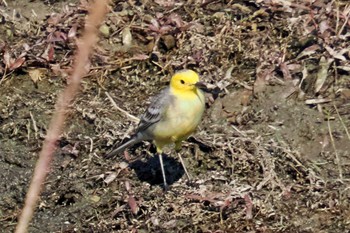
{"points": [[104, 29], [169, 41]]}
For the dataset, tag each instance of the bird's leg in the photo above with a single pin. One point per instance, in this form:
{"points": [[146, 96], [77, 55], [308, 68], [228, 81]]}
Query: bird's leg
{"points": [[159, 152], [178, 149], [183, 165]]}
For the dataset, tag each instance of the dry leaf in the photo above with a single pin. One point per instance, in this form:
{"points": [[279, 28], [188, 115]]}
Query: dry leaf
{"points": [[127, 186], [72, 32], [262, 76], [176, 19], [345, 68], [123, 165], [127, 37], [154, 26], [140, 57], [7, 58], [335, 54], [324, 26], [294, 68], [165, 3], [133, 205], [95, 198], [110, 178], [309, 50], [54, 19], [36, 74], [317, 101], [105, 31], [170, 224], [49, 53], [285, 71], [322, 73], [17, 63], [248, 206]]}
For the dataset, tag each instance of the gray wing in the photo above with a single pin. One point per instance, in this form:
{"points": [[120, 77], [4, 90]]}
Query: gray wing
{"points": [[155, 110]]}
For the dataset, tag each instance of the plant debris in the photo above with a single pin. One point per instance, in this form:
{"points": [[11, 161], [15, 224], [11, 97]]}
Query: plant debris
{"points": [[272, 152]]}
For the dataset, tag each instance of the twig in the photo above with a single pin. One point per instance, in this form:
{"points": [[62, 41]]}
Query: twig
{"points": [[344, 25], [5, 75], [239, 131], [34, 125], [34, 13], [340, 170], [5, 3], [337, 21], [342, 122], [97, 12], [91, 144], [133, 118]]}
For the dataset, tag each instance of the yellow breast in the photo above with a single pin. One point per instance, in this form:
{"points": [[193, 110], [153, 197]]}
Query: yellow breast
{"points": [[181, 119]]}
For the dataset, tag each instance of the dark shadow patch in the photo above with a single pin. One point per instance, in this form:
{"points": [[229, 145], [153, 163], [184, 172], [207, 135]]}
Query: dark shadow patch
{"points": [[150, 171]]}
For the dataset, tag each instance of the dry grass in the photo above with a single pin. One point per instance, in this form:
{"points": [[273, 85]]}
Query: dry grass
{"points": [[264, 157]]}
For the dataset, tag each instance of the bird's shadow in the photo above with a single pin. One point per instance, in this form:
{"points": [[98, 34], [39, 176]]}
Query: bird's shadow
{"points": [[150, 171]]}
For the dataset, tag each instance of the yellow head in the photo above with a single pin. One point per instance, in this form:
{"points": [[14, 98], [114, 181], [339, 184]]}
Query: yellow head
{"points": [[184, 80]]}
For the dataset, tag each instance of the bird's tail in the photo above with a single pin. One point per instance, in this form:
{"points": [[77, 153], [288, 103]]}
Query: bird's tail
{"points": [[135, 139]]}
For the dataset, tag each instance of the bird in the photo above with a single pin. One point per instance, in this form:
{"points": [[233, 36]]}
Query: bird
{"points": [[172, 116]]}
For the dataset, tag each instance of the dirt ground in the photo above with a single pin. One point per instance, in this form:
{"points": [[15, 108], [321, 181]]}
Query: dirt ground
{"points": [[272, 153]]}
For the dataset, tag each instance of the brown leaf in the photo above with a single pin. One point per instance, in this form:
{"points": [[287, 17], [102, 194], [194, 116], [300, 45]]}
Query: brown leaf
{"points": [[294, 68], [54, 19], [72, 32], [285, 71], [70, 150], [322, 73], [165, 29], [176, 19], [60, 36], [26, 47], [53, 37], [154, 26], [249, 206], [309, 50], [127, 156], [7, 58], [133, 205], [51, 53], [18, 63]]}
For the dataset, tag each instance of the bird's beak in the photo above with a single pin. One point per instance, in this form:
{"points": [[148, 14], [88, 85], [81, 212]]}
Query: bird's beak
{"points": [[200, 85]]}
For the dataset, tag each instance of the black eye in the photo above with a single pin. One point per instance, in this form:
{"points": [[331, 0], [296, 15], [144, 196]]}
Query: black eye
{"points": [[182, 81]]}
